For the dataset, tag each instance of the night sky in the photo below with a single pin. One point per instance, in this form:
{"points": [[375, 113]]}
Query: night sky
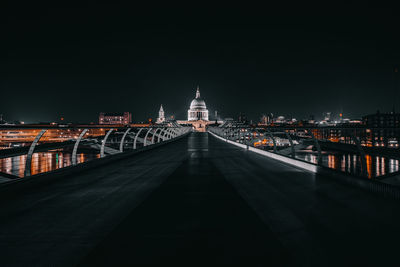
{"points": [[75, 62]]}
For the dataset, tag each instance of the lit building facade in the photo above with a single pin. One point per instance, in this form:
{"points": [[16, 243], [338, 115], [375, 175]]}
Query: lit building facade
{"points": [[382, 120], [161, 115], [198, 110], [115, 118], [385, 130], [197, 114]]}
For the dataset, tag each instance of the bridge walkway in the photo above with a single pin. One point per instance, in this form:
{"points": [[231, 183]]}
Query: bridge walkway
{"points": [[198, 201]]}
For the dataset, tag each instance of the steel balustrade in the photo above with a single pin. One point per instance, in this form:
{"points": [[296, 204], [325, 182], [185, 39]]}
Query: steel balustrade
{"points": [[103, 143], [121, 145], [28, 162], [155, 133], [168, 134], [319, 160], [136, 138], [234, 134], [74, 151], [273, 140], [145, 138], [162, 133], [362, 155], [293, 152]]}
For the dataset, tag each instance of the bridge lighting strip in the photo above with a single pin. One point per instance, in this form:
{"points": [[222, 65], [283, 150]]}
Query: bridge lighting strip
{"points": [[297, 163]]}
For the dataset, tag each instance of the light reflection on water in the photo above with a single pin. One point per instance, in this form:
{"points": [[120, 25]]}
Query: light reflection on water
{"points": [[42, 162], [351, 163]]}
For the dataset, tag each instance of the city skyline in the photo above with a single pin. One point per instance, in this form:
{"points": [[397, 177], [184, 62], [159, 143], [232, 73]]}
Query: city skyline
{"points": [[181, 114]]}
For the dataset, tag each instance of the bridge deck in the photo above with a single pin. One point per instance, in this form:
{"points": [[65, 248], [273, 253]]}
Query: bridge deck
{"points": [[198, 201]]}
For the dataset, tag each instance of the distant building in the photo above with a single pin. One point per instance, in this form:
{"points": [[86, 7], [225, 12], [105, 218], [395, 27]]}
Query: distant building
{"points": [[197, 115], [385, 129], [161, 115], [327, 116], [382, 119], [198, 110], [242, 118], [280, 119], [311, 120], [264, 120], [115, 118]]}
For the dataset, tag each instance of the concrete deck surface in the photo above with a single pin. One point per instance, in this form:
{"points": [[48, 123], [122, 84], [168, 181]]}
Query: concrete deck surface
{"points": [[198, 201]]}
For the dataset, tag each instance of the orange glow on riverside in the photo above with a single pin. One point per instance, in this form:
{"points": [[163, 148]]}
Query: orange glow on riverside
{"points": [[261, 142], [51, 135], [368, 159], [42, 162], [25, 136], [332, 161]]}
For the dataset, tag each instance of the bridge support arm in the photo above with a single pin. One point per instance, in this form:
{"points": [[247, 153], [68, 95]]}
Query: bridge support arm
{"points": [[74, 151], [273, 140], [103, 143], [251, 137], [319, 160], [121, 145], [145, 138], [166, 135], [291, 145], [174, 132], [161, 135], [236, 135], [136, 137], [363, 158], [28, 162], [154, 134], [225, 131]]}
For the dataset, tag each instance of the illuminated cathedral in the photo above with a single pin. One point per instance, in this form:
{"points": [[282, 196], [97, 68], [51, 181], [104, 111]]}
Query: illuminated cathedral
{"points": [[198, 110]]}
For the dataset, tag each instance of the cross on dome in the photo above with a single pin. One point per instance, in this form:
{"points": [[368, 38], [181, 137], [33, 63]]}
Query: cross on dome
{"points": [[198, 92]]}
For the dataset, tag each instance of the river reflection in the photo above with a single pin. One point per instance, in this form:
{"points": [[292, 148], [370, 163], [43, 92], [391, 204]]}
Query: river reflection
{"points": [[351, 163], [43, 162]]}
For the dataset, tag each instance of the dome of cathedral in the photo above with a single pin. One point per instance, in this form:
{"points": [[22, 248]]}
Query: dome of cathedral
{"points": [[198, 109], [198, 103]]}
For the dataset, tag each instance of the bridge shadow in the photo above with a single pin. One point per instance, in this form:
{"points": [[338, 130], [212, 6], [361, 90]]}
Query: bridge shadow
{"points": [[195, 218], [353, 225]]}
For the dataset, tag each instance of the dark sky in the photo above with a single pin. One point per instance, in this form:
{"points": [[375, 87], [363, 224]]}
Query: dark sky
{"points": [[75, 62]]}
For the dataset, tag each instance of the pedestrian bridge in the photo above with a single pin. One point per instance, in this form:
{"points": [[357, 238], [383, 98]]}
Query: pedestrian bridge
{"points": [[196, 200]]}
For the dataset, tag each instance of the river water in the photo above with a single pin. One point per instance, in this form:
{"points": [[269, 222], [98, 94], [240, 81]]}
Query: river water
{"points": [[351, 163], [42, 162], [346, 162]]}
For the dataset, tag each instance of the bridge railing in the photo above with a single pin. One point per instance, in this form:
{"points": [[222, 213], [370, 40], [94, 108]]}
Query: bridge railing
{"points": [[308, 145], [52, 149], [243, 136]]}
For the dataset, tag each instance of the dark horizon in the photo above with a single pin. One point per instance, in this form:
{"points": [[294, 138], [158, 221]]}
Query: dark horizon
{"points": [[76, 63]]}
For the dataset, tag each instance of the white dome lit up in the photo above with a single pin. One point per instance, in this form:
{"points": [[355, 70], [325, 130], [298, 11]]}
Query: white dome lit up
{"points": [[198, 109]]}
